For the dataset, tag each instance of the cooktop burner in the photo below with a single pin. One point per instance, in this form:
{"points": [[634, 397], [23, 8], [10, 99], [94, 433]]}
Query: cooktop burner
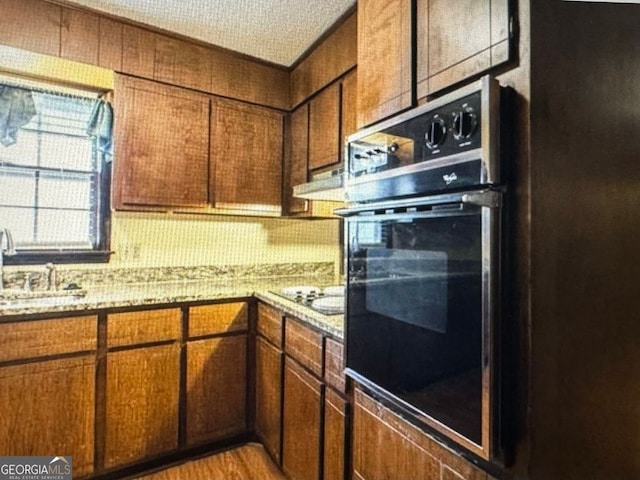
{"points": [[328, 301]]}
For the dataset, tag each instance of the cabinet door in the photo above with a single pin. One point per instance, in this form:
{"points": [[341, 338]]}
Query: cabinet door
{"points": [[141, 403], [268, 395], [297, 158], [162, 141], [384, 59], [303, 396], [335, 436], [47, 408], [216, 388], [246, 156], [324, 128], [456, 40], [348, 117]]}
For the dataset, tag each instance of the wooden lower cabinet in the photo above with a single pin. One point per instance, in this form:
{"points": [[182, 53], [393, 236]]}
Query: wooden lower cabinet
{"points": [[335, 436], [142, 392], [47, 408], [302, 420], [216, 388], [269, 396]]}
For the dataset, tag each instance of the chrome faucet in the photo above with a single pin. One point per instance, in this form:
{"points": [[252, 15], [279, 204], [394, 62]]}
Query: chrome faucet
{"points": [[6, 248], [52, 276]]}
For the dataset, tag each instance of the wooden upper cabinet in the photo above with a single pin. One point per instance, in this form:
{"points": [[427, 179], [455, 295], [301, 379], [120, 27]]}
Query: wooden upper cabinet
{"points": [[384, 59], [138, 51], [162, 145], [246, 156], [297, 162], [182, 63], [456, 40], [79, 36], [348, 118], [32, 25], [324, 128]]}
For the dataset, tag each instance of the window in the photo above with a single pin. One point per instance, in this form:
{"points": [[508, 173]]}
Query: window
{"points": [[54, 184]]}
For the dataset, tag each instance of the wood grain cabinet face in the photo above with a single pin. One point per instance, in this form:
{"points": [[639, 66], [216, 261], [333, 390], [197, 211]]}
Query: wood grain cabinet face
{"points": [[246, 156], [162, 145], [138, 51], [182, 63], [270, 324], [219, 318], [304, 344], [79, 36], [348, 118], [384, 59], [457, 40], [142, 393], [216, 388], [146, 326], [38, 31], [297, 159], [268, 395], [48, 407], [335, 436], [302, 420], [324, 128]]}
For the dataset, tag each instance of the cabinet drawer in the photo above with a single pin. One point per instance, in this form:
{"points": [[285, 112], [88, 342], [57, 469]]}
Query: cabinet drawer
{"points": [[333, 364], [29, 339], [220, 318], [303, 344], [270, 324], [131, 328]]}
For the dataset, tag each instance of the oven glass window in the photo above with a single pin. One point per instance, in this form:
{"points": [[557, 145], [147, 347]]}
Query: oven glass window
{"points": [[415, 312]]}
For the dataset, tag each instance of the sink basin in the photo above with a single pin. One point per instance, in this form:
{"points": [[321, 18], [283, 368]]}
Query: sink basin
{"points": [[16, 298]]}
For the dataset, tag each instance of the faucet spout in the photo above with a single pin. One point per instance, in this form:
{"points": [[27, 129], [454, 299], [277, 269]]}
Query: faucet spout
{"points": [[7, 248]]}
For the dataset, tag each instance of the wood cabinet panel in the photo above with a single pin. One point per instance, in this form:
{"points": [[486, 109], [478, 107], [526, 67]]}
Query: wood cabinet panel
{"points": [[246, 154], [131, 328], [384, 59], [141, 403], [335, 436], [216, 388], [138, 51], [348, 116], [297, 160], [48, 408], [182, 63], [236, 77], [333, 57], [32, 25], [219, 318], [334, 364], [324, 128], [38, 338], [302, 416], [270, 324], [458, 40], [79, 36], [303, 344], [162, 143], [269, 363], [110, 44]]}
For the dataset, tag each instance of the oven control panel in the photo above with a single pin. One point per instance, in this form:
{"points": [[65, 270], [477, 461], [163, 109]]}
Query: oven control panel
{"points": [[448, 143]]}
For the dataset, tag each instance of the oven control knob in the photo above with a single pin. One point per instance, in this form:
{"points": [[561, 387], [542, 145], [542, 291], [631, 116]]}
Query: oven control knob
{"points": [[436, 133], [464, 123]]}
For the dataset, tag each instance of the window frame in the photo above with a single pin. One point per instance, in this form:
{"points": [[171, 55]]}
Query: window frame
{"points": [[101, 251]]}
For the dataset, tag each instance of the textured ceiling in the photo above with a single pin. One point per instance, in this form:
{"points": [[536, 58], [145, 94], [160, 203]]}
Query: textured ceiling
{"points": [[277, 31]]}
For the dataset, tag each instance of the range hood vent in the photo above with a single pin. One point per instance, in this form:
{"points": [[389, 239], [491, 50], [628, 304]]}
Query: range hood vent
{"points": [[323, 186]]}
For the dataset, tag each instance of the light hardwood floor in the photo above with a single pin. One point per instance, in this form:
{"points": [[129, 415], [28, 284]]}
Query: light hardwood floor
{"points": [[249, 462]]}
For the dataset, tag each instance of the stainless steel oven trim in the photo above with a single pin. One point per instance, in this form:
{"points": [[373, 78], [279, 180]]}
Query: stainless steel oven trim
{"points": [[489, 203], [488, 153]]}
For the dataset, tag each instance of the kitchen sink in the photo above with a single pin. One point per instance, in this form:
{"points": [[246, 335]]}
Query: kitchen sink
{"points": [[16, 298]]}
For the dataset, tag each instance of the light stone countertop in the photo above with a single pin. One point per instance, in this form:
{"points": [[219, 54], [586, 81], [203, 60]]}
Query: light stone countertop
{"points": [[188, 291]]}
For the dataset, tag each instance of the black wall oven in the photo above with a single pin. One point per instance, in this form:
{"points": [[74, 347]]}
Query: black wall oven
{"points": [[423, 263]]}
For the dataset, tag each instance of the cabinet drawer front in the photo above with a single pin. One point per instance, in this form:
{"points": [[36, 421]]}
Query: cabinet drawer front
{"points": [[304, 344], [28, 339], [131, 328], [333, 364], [221, 318], [270, 324]]}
